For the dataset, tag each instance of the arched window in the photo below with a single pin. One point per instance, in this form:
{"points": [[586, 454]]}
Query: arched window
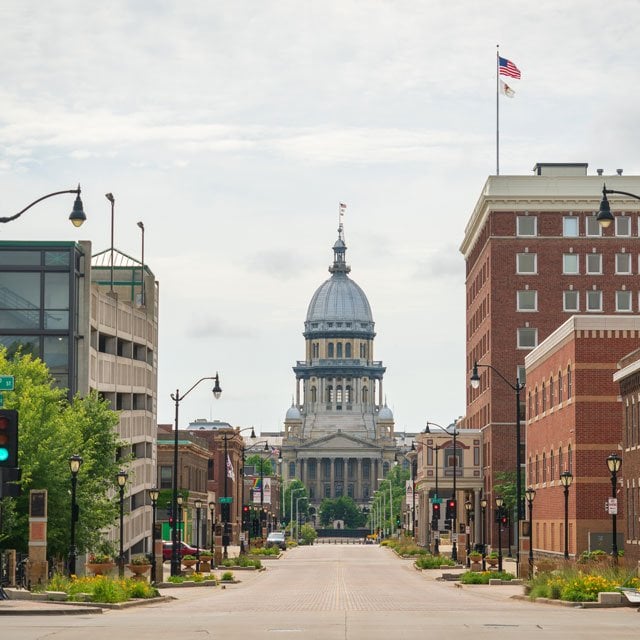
{"points": [[544, 467], [365, 395], [347, 350], [347, 394], [385, 469], [568, 381], [569, 459], [559, 387], [339, 393], [339, 350], [552, 468], [536, 401], [537, 470], [560, 467], [330, 350], [329, 393], [551, 392], [314, 394], [315, 350], [544, 399], [292, 469]]}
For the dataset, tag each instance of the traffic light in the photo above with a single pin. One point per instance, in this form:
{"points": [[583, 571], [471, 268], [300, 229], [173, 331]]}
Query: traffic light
{"points": [[503, 520], [245, 515], [451, 509], [397, 522], [435, 512], [170, 514], [8, 438]]}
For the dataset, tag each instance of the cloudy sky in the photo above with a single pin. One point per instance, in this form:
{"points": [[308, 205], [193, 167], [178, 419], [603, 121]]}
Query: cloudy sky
{"points": [[234, 129]]}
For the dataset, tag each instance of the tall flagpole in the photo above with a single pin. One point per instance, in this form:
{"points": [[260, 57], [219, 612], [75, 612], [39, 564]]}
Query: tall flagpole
{"points": [[497, 109]]}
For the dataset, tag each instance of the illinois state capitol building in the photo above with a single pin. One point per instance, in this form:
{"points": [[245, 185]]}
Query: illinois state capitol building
{"points": [[338, 436]]}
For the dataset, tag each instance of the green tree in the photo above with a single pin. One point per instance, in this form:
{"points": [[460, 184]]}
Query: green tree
{"points": [[258, 462], [50, 431], [505, 487], [307, 534], [397, 478], [342, 508]]}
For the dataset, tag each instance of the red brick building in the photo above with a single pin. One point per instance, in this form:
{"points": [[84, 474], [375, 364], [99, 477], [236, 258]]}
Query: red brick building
{"points": [[535, 255], [628, 377], [574, 423]]}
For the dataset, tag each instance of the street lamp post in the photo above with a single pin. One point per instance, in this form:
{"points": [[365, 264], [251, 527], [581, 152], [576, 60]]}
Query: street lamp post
{"points": [[177, 398], [414, 466], [467, 507], [212, 511], [252, 436], [614, 462], [566, 478], [483, 506], [142, 302], [198, 505], [180, 500], [517, 387], [112, 200], [454, 533], [436, 541], [153, 494], [122, 481], [291, 492], [75, 462], [298, 516], [77, 216], [499, 503], [530, 494], [605, 217]]}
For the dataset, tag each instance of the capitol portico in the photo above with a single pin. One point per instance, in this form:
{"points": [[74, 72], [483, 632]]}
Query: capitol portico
{"points": [[339, 437]]}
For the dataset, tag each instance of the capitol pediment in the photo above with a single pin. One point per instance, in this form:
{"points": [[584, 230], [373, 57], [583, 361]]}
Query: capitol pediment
{"points": [[337, 442]]}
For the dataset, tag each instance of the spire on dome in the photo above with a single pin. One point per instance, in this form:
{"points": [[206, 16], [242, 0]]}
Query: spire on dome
{"points": [[340, 248]]}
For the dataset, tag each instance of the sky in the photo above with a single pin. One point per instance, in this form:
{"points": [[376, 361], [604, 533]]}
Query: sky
{"points": [[234, 129]]}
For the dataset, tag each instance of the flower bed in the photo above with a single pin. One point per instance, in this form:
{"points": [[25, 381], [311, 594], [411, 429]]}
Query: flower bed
{"points": [[579, 585], [483, 577], [101, 588], [433, 562]]}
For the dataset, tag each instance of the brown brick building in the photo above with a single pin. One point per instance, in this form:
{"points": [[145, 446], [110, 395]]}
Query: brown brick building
{"points": [[575, 422], [535, 256], [628, 377]]}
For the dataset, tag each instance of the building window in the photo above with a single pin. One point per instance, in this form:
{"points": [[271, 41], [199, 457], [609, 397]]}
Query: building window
{"points": [[347, 394], [314, 394], [551, 392], [521, 374], [571, 301], [339, 350], [569, 383], [527, 338], [570, 264], [570, 226], [347, 350], [526, 225], [526, 263], [552, 467], [560, 469], [623, 226], [594, 301], [365, 395], [623, 301], [623, 263], [527, 300], [339, 393], [330, 393], [544, 467], [544, 398], [537, 471], [593, 226], [594, 263], [330, 350], [166, 477], [569, 460], [292, 469], [559, 387], [327, 490]]}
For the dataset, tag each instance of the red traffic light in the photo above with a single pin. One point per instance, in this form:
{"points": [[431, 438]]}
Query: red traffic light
{"points": [[436, 507], [245, 509]]}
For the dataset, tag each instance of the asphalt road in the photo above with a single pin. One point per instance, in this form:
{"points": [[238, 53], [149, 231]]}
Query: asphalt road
{"points": [[354, 592]]}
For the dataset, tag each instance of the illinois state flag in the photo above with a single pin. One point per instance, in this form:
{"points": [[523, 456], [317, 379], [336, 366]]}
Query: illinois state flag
{"points": [[507, 90], [507, 68]]}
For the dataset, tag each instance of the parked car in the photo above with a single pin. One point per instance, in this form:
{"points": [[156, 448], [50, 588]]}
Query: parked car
{"points": [[185, 549], [276, 539]]}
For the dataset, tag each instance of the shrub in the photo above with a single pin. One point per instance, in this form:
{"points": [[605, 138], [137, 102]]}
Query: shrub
{"points": [[139, 559], [242, 561], [189, 557], [176, 579], [270, 551], [227, 576], [433, 562], [308, 534], [483, 577]]}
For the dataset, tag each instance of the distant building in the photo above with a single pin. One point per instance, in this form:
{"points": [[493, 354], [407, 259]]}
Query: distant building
{"points": [[339, 434], [96, 328], [536, 255], [574, 423]]}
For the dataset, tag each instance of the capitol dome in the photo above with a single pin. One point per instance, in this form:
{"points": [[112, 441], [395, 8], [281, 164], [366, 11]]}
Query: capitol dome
{"points": [[385, 413], [293, 413], [339, 305]]}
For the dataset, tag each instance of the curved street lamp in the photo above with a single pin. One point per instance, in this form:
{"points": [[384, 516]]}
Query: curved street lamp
{"points": [[483, 506], [177, 398], [517, 387], [614, 462], [566, 478], [77, 215], [605, 217], [454, 533]]}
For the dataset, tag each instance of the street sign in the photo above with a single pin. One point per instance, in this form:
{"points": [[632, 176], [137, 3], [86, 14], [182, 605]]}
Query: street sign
{"points": [[612, 505], [436, 500], [227, 500], [6, 383]]}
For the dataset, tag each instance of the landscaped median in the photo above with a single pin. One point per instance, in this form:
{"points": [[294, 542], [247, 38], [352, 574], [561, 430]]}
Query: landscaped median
{"points": [[424, 559]]}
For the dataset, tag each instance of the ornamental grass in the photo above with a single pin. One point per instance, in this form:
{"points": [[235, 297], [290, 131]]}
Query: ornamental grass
{"points": [[101, 588]]}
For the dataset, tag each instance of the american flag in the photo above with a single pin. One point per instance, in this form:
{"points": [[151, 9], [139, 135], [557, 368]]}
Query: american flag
{"points": [[507, 68]]}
